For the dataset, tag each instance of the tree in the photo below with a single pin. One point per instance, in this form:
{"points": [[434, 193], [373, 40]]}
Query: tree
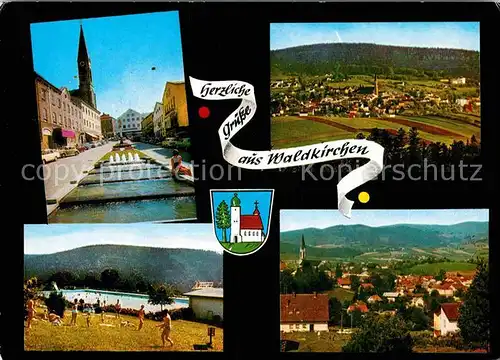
{"points": [[110, 279], [381, 334], [335, 310], [287, 282], [31, 289], [56, 303], [441, 275], [62, 278], [161, 295], [223, 219], [338, 271], [417, 319], [474, 315], [355, 283]]}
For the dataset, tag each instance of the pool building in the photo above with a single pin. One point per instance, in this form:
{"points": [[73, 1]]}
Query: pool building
{"points": [[206, 302]]}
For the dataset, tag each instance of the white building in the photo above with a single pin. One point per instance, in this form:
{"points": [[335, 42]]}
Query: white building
{"points": [[446, 319], [158, 118], [130, 122], [460, 81], [245, 228], [207, 302], [304, 312], [91, 120], [391, 296]]}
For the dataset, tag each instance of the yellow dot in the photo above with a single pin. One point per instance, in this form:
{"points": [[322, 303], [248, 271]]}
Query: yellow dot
{"points": [[364, 197]]}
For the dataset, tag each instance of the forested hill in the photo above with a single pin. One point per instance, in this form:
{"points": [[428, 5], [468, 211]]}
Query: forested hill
{"points": [[175, 266], [401, 235], [369, 59]]}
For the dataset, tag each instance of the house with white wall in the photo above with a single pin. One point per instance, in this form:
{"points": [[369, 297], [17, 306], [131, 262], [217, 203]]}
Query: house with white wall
{"points": [[206, 302], [304, 312], [446, 319]]}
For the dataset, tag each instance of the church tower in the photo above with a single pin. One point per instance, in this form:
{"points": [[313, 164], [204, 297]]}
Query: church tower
{"points": [[86, 86], [375, 88], [235, 219], [302, 254]]}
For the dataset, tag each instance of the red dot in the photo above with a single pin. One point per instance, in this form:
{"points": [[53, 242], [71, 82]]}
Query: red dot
{"points": [[204, 112]]}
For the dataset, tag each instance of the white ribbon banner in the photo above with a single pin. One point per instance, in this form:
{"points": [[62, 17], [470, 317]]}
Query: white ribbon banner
{"points": [[298, 156]]}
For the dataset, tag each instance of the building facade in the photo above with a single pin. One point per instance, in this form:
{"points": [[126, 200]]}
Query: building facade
{"points": [[107, 125], [304, 312], [175, 114], [129, 123], [158, 119], [245, 228], [147, 126], [68, 117], [446, 319], [207, 302], [59, 116]]}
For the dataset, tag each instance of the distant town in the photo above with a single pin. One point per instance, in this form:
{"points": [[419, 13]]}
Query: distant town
{"points": [[329, 306]]}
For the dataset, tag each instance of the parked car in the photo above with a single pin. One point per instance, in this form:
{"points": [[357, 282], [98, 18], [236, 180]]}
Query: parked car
{"points": [[81, 148], [93, 144], [69, 151], [48, 155], [58, 154], [88, 146]]}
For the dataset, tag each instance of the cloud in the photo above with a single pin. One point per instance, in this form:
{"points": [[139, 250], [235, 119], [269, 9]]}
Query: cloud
{"points": [[338, 36]]}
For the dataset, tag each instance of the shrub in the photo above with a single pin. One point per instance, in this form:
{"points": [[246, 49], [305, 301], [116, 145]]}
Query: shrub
{"points": [[56, 303], [187, 313]]}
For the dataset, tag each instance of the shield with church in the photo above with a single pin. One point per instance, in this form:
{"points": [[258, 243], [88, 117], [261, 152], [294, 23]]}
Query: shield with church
{"points": [[241, 219]]}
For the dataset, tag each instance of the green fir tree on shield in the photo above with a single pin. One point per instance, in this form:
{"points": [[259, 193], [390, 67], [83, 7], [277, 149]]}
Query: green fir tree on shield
{"points": [[223, 219]]}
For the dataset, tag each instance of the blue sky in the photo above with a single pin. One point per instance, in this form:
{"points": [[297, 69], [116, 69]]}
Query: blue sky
{"points": [[301, 219], [47, 239], [248, 199], [122, 50], [455, 35]]}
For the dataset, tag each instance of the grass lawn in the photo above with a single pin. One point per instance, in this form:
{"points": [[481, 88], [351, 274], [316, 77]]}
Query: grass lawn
{"points": [[185, 334], [341, 294], [126, 152], [326, 342], [433, 269], [242, 248]]}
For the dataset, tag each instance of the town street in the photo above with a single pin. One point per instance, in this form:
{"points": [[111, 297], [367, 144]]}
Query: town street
{"points": [[60, 175]]}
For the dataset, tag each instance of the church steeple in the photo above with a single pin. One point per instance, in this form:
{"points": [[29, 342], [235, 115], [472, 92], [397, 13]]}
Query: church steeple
{"points": [[302, 254], [86, 86], [256, 211]]}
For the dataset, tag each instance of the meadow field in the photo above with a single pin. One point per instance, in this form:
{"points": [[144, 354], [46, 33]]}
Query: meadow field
{"points": [[242, 248], [292, 131], [110, 336]]}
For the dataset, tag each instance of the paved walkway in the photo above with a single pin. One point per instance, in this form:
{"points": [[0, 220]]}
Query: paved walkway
{"points": [[63, 175]]}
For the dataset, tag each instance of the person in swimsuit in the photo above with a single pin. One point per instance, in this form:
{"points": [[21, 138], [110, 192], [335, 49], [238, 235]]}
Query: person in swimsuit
{"points": [[118, 308], [55, 319], [74, 312], [167, 327], [141, 317], [175, 162], [31, 311]]}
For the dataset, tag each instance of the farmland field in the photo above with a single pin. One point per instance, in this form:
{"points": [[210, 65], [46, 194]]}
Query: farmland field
{"points": [[341, 294], [433, 269], [291, 131]]}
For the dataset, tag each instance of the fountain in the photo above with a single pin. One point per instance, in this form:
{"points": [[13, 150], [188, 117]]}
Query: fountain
{"points": [[111, 159], [117, 158], [136, 157], [130, 158], [124, 159]]}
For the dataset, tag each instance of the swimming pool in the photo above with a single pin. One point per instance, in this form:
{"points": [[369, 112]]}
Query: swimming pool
{"points": [[127, 300]]}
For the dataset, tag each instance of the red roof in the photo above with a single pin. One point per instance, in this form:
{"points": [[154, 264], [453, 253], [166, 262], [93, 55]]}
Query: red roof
{"points": [[251, 222], [367, 286], [451, 310], [375, 298], [304, 308], [360, 307], [282, 265], [344, 281]]}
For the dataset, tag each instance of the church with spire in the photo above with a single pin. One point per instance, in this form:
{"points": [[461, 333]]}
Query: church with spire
{"points": [[85, 89], [245, 228], [303, 261]]}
